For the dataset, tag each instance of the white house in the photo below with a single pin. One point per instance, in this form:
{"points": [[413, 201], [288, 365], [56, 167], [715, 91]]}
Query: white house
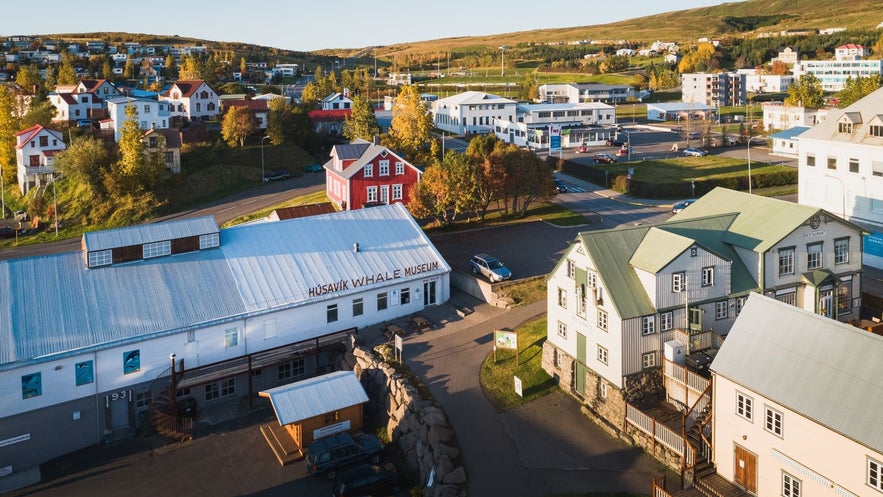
{"points": [[782, 117], [581, 123], [618, 296], [151, 114], [35, 149], [74, 106], [786, 143], [471, 112], [841, 170], [767, 83], [234, 311], [192, 100], [833, 73], [850, 51], [578, 93], [796, 398], [336, 101]]}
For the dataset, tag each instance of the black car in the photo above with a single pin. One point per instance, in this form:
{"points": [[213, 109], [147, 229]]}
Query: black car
{"points": [[367, 479], [603, 158], [615, 142], [276, 175], [331, 454], [560, 187]]}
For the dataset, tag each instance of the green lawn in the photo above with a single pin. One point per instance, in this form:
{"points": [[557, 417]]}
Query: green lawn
{"points": [[497, 378], [311, 198], [686, 168]]}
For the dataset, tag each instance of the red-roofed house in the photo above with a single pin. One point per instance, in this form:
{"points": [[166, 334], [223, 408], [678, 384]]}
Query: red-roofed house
{"points": [[192, 100], [75, 106], [35, 148], [259, 108], [329, 121], [363, 174], [101, 88], [850, 51]]}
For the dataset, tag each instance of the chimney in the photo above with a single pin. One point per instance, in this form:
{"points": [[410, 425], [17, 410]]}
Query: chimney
{"points": [[376, 140]]}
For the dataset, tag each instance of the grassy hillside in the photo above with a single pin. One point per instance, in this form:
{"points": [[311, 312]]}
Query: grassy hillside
{"points": [[684, 26]]}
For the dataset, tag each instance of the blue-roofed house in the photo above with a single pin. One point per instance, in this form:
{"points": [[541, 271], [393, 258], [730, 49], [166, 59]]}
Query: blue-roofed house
{"points": [[785, 142], [89, 339]]}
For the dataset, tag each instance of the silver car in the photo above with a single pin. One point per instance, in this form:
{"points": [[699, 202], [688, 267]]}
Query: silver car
{"points": [[490, 267]]}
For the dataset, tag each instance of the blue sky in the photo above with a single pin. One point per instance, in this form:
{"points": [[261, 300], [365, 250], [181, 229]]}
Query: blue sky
{"points": [[298, 25]]}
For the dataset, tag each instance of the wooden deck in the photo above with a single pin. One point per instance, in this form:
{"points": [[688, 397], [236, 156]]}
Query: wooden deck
{"points": [[283, 446], [716, 485]]}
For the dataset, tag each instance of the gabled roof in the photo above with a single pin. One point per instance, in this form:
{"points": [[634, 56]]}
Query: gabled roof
{"points": [[866, 108], [755, 228], [316, 396], [187, 87], [827, 371], [474, 97], [258, 269], [367, 152], [92, 85], [172, 136], [26, 135]]}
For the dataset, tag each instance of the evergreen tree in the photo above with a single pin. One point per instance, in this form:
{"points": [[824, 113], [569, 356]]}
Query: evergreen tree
{"points": [[361, 123]]}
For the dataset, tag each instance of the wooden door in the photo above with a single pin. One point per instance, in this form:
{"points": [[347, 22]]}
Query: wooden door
{"points": [[579, 380], [745, 473]]}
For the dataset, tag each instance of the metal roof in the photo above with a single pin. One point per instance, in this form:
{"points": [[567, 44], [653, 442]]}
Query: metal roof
{"points": [[868, 108], [474, 97], [53, 305], [618, 251], [316, 396], [828, 371], [278, 263], [790, 134], [761, 222], [148, 233]]}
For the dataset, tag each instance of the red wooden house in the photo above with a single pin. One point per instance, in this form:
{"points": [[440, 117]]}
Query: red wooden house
{"points": [[363, 174]]}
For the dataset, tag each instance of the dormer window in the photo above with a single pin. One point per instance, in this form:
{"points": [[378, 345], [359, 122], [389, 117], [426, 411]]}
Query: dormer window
{"points": [[844, 127]]}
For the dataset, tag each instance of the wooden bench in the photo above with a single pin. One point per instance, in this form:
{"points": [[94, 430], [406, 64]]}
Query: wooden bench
{"points": [[391, 330]]}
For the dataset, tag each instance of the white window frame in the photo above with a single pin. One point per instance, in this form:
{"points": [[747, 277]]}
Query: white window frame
{"points": [[791, 486], [677, 281], [744, 406], [397, 192], [721, 310], [602, 389], [368, 171], [383, 168], [562, 329], [371, 194], [648, 325], [400, 168], [562, 298], [210, 240], [787, 255], [602, 319], [648, 360], [157, 249], [708, 276], [773, 421], [571, 269], [100, 258], [874, 474], [841, 251], [815, 256], [666, 321], [231, 337], [602, 355]]}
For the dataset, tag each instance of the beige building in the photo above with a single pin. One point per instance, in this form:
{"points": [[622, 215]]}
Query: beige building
{"points": [[796, 404]]}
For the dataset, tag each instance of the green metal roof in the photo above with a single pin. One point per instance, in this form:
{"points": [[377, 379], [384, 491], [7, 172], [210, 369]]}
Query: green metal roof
{"points": [[658, 249], [611, 251], [817, 277], [761, 222]]}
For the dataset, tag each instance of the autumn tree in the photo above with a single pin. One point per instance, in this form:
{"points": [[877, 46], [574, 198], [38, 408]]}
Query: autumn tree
{"points": [[697, 60], [279, 111], [28, 77], [779, 68], [361, 123], [445, 190], [529, 88], [41, 111], [857, 88], [411, 125], [806, 92], [9, 125], [84, 163], [529, 179], [67, 75], [134, 173], [237, 125]]}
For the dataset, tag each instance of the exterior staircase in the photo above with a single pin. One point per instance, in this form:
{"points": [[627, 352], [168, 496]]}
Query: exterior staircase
{"points": [[281, 443]]}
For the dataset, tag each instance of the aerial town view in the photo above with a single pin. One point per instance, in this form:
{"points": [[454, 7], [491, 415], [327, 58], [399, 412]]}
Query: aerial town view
{"points": [[563, 250]]}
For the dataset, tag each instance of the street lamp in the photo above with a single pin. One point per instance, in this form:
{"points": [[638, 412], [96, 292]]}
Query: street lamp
{"points": [[55, 205], [502, 57], [749, 161], [262, 157]]}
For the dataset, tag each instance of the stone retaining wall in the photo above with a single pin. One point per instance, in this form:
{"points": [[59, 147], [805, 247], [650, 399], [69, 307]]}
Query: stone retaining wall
{"points": [[417, 426]]}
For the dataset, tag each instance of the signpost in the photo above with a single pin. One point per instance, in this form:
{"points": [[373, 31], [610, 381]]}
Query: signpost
{"points": [[518, 386], [554, 139], [506, 339], [398, 346]]}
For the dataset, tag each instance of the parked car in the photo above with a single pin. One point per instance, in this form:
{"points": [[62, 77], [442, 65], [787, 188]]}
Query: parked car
{"points": [[582, 149], [490, 267], [695, 152], [276, 175], [623, 152], [314, 168], [615, 142], [560, 187], [367, 479], [678, 207], [330, 454], [84, 123], [603, 158], [694, 135]]}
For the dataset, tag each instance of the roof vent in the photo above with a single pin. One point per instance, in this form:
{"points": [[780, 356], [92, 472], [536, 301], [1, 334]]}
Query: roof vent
{"points": [[356, 247]]}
